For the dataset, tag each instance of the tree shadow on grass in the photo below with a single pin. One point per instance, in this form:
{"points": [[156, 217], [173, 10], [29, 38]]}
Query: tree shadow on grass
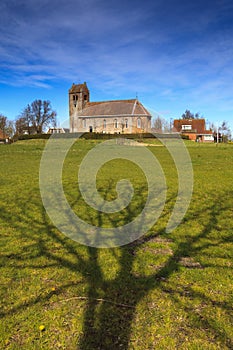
{"points": [[108, 320], [111, 304]]}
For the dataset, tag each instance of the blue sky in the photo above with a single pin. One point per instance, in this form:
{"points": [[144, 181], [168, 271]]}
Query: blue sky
{"points": [[175, 55]]}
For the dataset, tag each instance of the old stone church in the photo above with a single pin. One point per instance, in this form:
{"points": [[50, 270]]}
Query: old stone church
{"points": [[114, 117]]}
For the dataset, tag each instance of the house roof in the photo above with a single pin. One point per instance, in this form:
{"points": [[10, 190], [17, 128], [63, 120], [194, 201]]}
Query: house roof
{"points": [[198, 125], [114, 108], [208, 132]]}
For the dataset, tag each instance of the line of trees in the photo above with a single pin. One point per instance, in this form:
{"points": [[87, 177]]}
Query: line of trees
{"points": [[33, 120], [223, 130], [39, 115], [189, 115]]}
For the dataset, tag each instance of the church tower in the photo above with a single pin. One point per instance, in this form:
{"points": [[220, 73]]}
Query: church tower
{"points": [[78, 97]]}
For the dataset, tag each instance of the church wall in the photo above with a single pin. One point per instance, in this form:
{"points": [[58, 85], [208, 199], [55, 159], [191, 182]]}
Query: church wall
{"points": [[112, 125]]}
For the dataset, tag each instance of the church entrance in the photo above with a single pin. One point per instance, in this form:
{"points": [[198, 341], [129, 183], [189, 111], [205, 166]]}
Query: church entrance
{"points": [[90, 128]]}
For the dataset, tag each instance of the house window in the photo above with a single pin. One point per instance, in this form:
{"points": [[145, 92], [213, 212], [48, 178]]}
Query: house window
{"points": [[186, 127], [139, 123], [104, 123], [126, 123], [84, 123], [115, 123]]}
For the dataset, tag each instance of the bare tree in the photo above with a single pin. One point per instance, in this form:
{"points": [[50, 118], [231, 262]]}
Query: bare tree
{"points": [[10, 128], [222, 132], [37, 116], [7, 126], [160, 125], [3, 122], [188, 115], [225, 130], [21, 126]]}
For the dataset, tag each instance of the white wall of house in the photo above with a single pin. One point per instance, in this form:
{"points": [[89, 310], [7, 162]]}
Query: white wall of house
{"points": [[209, 138]]}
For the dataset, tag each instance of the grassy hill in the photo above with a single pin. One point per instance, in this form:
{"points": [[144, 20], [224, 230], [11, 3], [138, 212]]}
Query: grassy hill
{"points": [[164, 291]]}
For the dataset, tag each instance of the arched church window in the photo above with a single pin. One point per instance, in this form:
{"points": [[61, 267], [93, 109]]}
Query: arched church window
{"points": [[75, 99], [139, 123]]}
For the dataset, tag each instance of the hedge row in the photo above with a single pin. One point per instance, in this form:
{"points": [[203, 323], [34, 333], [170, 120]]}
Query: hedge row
{"points": [[31, 137], [101, 136], [98, 136]]}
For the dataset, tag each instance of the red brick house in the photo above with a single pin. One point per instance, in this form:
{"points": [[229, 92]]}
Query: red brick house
{"points": [[3, 137], [195, 129]]}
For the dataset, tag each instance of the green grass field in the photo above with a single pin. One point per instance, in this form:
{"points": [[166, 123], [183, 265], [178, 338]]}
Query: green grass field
{"points": [[164, 291]]}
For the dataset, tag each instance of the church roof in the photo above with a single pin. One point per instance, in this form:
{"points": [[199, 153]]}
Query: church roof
{"points": [[114, 108]]}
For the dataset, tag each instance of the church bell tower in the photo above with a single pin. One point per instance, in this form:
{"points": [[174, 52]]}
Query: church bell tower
{"points": [[78, 97]]}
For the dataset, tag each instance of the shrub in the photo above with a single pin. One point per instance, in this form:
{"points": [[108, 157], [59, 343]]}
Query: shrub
{"points": [[31, 137]]}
